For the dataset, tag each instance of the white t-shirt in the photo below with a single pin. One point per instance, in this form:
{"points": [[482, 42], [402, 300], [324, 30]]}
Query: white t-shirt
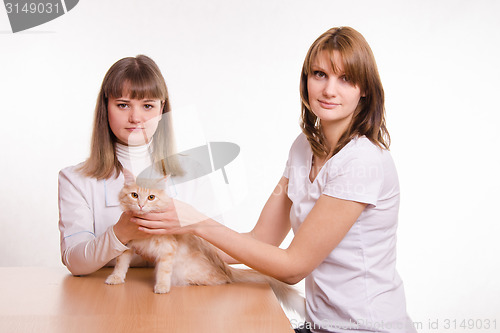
{"points": [[356, 287]]}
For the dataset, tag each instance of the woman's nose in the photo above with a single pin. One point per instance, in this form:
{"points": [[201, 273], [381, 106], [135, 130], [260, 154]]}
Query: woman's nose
{"points": [[330, 88], [134, 116]]}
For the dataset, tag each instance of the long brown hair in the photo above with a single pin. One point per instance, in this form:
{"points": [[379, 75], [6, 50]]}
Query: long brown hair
{"points": [[361, 69], [138, 77]]}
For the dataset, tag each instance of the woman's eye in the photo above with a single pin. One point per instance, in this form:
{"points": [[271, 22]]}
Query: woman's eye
{"points": [[319, 74], [134, 195], [151, 197], [345, 78], [148, 106], [122, 106]]}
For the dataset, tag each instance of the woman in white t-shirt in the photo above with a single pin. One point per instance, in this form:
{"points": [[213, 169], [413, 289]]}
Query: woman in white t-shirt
{"points": [[339, 193]]}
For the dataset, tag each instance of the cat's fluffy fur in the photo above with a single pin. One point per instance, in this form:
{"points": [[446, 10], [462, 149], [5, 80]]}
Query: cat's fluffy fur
{"points": [[184, 259]]}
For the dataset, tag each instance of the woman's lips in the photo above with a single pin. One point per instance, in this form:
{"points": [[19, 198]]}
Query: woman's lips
{"points": [[328, 105], [134, 129]]}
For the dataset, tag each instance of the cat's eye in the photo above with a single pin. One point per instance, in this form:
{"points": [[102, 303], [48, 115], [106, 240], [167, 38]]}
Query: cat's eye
{"points": [[134, 195], [151, 197]]}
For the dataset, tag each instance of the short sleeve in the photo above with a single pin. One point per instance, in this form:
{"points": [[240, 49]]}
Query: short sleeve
{"points": [[358, 177], [286, 172], [299, 152]]}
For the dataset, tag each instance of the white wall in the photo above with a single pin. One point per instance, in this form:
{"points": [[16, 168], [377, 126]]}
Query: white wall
{"points": [[235, 65]]}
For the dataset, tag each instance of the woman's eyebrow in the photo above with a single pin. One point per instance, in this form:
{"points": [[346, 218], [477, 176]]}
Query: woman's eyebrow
{"points": [[319, 67], [144, 101]]}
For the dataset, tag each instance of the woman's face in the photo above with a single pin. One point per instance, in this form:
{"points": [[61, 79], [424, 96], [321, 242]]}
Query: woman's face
{"points": [[332, 97], [134, 121]]}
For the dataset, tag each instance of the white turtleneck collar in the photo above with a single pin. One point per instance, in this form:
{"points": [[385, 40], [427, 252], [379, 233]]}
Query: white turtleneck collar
{"points": [[134, 158]]}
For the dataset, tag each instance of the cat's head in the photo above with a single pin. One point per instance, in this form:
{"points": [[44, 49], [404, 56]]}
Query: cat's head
{"points": [[150, 196]]}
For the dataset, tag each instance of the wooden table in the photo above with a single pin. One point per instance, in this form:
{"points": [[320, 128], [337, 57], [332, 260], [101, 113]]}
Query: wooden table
{"points": [[51, 300]]}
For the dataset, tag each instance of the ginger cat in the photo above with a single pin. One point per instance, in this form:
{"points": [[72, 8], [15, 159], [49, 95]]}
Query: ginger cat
{"points": [[184, 259]]}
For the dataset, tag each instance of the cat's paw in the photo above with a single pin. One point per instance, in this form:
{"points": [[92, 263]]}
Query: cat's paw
{"points": [[115, 279], [162, 288]]}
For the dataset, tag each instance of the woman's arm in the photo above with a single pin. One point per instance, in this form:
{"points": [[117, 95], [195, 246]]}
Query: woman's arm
{"points": [[87, 256], [82, 251], [324, 228], [274, 221]]}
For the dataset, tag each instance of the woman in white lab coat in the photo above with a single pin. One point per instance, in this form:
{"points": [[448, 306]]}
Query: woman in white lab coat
{"points": [[133, 130]]}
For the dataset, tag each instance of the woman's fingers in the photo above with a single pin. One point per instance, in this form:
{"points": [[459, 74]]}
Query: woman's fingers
{"points": [[154, 231], [157, 228], [167, 215], [173, 220], [151, 224]]}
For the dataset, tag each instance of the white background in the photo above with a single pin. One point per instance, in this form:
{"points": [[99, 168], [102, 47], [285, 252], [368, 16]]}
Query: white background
{"points": [[232, 68]]}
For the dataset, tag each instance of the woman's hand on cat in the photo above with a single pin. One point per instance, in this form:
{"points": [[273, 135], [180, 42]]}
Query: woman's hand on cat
{"points": [[126, 229], [174, 220]]}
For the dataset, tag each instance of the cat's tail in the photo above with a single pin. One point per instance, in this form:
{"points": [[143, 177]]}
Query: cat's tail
{"points": [[286, 294]]}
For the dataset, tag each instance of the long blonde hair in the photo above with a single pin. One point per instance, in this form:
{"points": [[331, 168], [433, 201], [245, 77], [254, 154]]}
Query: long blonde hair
{"points": [[141, 78], [361, 69]]}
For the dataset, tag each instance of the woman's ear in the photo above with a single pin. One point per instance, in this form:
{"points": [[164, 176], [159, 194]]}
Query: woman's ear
{"points": [[163, 104]]}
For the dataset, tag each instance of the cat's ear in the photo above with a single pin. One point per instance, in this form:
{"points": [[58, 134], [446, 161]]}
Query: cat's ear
{"points": [[129, 177]]}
